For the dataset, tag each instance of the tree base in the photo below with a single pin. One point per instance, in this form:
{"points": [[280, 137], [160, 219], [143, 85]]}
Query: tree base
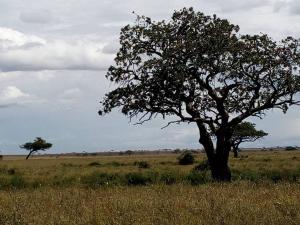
{"points": [[220, 173]]}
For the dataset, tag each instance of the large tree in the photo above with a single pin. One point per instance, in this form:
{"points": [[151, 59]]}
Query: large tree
{"points": [[38, 144], [199, 69], [245, 132]]}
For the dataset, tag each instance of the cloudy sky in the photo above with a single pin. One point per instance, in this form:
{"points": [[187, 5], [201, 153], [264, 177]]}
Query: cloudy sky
{"points": [[54, 55]]}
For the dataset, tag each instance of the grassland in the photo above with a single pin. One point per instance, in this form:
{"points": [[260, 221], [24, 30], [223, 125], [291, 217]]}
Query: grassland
{"points": [[114, 190]]}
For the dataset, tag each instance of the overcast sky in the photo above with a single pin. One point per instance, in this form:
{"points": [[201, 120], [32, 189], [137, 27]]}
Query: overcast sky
{"points": [[54, 56]]}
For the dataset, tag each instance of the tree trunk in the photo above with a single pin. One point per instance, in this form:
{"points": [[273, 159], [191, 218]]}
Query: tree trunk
{"points": [[220, 170], [235, 152], [218, 160], [29, 154]]}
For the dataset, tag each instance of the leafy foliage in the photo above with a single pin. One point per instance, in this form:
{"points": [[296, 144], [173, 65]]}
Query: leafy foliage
{"points": [[245, 132], [37, 145]]}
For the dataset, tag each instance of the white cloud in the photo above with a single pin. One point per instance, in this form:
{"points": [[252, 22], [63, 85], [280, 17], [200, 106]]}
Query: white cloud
{"points": [[12, 93], [21, 52], [11, 39], [12, 96]]}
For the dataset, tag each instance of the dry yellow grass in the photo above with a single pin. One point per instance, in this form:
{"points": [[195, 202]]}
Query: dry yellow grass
{"points": [[237, 203], [64, 171], [213, 204], [43, 167]]}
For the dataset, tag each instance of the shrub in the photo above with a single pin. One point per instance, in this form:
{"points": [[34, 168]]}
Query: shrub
{"points": [[11, 171], [70, 165], [142, 164], [169, 177], [202, 166], [275, 176], [94, 164], [137, 179], [186, 158], [196, 178], [129, 152], [1, 157], [167, 163], [5, 170], [116, 164], [177, 151], [266, 159], [290, 148]]}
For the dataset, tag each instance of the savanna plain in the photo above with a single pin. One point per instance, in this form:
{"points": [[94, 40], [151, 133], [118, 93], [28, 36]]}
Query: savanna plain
{"points": [[146, 189]]}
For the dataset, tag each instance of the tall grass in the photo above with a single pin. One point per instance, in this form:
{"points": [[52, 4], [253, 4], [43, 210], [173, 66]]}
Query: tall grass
{"points": [[143, 170], [151, 189], [239, 203]]}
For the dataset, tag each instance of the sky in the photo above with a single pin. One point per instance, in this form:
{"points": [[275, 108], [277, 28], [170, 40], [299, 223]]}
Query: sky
{"points": [[54, 56]]}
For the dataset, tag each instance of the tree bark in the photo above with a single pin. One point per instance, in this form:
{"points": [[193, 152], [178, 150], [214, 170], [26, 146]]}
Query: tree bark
{"points": [[235, 152], [217, 158], [220, 170], [29, 154]]}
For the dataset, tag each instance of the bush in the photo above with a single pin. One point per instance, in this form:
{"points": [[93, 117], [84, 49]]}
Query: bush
{"points": [[11, 171], [266, 159], [70, 165], [290, 148], [186, 158], [177, 151], [203, 166], [115, 164], [142, 164], [169, 177], [129, 152], [137, 179], [94, 164], [167, 163], [1, 157], [196, 178]]}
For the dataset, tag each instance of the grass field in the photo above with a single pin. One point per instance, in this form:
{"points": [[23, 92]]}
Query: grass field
{"points": [[114, 190]]}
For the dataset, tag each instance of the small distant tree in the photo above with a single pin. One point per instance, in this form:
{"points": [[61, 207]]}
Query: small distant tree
{"points": [[38, 144], [129, 152], [245, 132], [290, 148]]}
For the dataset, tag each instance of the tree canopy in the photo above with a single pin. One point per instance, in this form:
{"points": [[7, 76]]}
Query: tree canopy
{"points": [[37, 145], [245, 132], [200, 69]]}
